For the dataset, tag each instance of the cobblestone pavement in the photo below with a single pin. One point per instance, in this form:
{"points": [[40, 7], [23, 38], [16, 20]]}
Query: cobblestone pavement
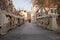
{"points": [[30, 31]]}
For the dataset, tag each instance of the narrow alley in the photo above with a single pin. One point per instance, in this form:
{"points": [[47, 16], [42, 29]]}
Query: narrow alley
{"points": [[30, 31], [29, 19]]}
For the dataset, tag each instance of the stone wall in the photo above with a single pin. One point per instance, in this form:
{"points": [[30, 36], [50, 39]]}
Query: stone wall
{"points": [[50, 23], [6, 5], [9, 21], [8, 17]]}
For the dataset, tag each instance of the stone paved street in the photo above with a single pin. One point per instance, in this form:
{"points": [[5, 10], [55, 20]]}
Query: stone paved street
{"points": [[30, 31]]}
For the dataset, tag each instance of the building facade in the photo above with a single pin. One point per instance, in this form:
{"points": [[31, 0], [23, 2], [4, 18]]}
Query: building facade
{"points": [[6, 5], [47, 5]]}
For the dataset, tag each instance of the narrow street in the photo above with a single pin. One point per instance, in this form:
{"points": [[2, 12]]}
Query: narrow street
{"points": [[29, 19], [30, 31]]}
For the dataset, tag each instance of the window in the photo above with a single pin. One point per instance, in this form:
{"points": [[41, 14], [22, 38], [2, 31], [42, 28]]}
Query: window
{"points": [[51, 10]]}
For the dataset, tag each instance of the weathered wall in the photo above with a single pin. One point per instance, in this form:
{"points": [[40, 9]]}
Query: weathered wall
{"points": [[49, 23], [6, 5], [7, 19]]}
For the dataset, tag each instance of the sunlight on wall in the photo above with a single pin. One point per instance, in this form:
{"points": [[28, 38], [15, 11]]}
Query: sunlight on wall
{"points": [[25, 14]]}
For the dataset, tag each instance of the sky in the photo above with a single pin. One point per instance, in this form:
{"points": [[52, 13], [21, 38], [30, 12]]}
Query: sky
{"points": [[22, 4]]}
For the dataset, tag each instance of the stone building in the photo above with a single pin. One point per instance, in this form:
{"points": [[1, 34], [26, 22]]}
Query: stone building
{"points": [[9, 18], [47, 4], [6, 5], [49, 21], [29, 16], [23, 13]]}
